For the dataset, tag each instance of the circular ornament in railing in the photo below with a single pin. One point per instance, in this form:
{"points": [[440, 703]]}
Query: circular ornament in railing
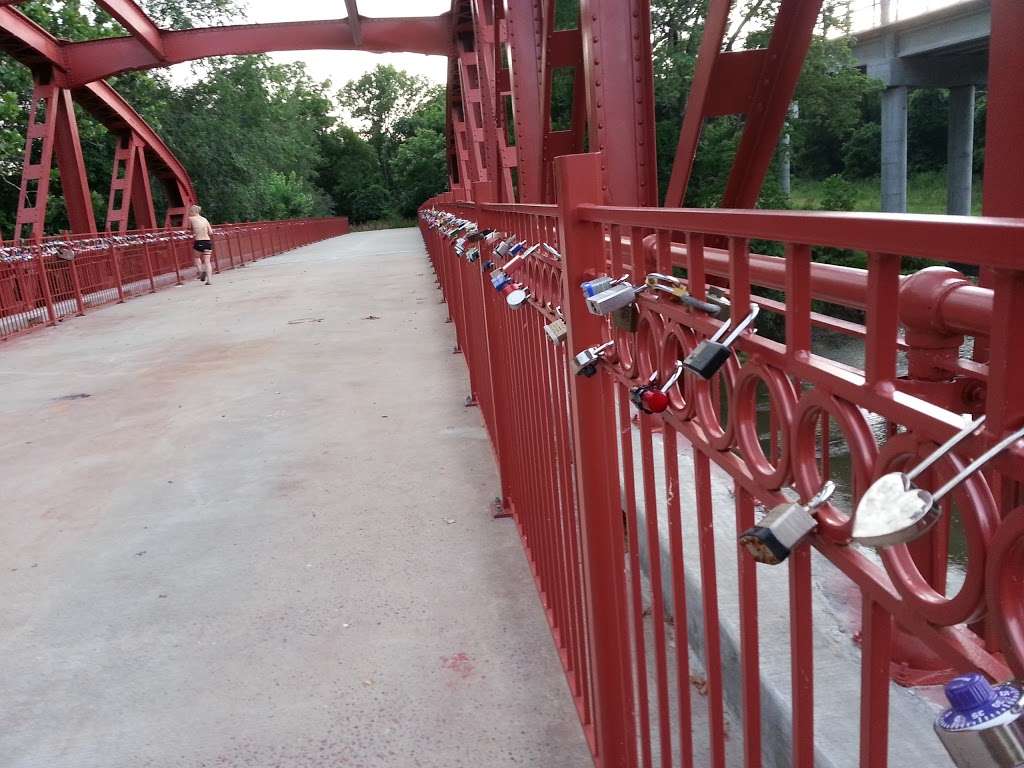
{"points": [[1004, 587], [638, 349], [833, 524], [712, 404], [677, 342], [782, 400], [978, 515]]}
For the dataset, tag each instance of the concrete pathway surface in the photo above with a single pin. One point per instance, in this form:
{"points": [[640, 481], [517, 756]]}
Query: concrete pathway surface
{"points": [[247, 525]]}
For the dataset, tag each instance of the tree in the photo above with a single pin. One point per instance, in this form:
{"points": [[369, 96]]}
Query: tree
{"points": [[420, 169], [379, 100], [348, 165]]}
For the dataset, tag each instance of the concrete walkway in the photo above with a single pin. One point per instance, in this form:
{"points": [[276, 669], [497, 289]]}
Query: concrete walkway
{"points": [[246, 525]]}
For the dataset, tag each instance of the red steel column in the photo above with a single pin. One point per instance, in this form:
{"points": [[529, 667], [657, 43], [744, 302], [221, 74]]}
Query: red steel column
{"points": [[525, 23], [579, 179], [620, 97]]}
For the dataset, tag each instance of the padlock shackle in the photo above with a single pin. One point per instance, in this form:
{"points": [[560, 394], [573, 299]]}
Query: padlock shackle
{"points": [[602, 347], [654, 277], [673, 377], [977, 464], [945, 448], [821, 496], [743, 325], [552, 250]]}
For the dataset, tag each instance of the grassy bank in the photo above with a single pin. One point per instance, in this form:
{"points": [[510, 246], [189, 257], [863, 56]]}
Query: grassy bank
{"points": [[926, 193]]}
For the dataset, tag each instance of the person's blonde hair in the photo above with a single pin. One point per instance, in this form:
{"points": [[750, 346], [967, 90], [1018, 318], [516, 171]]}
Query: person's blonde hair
{"points": [[195, 210]]}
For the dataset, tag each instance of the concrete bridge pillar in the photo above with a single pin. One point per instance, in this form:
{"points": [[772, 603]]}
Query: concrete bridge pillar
{"points": [[894, 149], [960, 150]]}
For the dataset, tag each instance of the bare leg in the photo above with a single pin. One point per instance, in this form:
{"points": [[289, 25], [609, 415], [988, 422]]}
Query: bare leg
{"points": [[209, 269], [199, 266]]}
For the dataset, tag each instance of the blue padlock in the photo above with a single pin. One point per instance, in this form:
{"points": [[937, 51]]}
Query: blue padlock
{"points": [[984, 725]]}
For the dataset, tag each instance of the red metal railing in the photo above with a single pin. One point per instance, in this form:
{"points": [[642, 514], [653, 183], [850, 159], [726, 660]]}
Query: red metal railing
{"points": [[41, 283], [627, 520]]}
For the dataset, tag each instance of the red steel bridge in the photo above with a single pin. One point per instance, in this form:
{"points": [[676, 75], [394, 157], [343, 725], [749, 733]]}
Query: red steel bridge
{"points": [[621, 512]]}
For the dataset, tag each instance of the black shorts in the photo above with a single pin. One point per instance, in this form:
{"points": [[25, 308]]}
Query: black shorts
{"points": [[203, 245]]}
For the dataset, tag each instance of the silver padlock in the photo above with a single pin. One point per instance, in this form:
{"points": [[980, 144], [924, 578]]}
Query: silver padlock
{"points": [[502, 248], [613, 298], [557, 330], [598, 284], [518, 297], [895, 511], [518, 260], [711, 354], [473, 254], [677, 289], [780, 531], [984, 725], [494, 237], [552, 251], [585, 363]]}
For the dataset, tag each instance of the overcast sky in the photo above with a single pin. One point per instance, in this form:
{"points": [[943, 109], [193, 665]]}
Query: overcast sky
{"points": [[341, 66]]}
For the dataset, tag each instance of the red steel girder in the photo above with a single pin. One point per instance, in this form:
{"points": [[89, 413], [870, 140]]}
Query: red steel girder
{"points": [[525, 31], [97, 59], [37, 49], [137, 23], [757, 83], [616, 38], [353, 21]]}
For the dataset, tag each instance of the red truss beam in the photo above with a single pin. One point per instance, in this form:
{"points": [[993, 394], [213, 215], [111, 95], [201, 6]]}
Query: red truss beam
{"points": [[98, 59], [137, 23], [37, 49], [354, 22], [758, 83]]}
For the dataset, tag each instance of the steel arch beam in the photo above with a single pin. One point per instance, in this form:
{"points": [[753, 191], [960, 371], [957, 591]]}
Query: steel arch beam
{"points": [[37, 49], [98, 59], [136, 22]]}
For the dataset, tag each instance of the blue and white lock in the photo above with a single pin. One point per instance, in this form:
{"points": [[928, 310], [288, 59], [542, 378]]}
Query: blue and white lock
{"points": [[984, 726]]}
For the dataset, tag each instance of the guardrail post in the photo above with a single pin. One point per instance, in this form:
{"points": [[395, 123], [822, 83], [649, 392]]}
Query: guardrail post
{"points": [[47, 293], [579, 182], [149, 266], [77, 284], [115, 263]]}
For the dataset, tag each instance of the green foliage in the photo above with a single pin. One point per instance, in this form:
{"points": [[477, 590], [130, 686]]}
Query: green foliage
{"points": [[419, 170], [379, 100], [244, 121], [863, 151], [837, 194], [369, 203], [348, 164]]}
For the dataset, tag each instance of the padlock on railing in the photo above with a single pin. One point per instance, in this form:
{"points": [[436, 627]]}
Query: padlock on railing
{"points": [[711, 354], [478, 234], [517, 261], [557, 330], [585, 363], [675, 288], [460, 247], [552, 251], [595, 286], [984, 725], [518, 296], [494, 236], [895, 511], [783, 528], [473, 254], [509, 247], [650, 398], [499, 280], [616, 296]]}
